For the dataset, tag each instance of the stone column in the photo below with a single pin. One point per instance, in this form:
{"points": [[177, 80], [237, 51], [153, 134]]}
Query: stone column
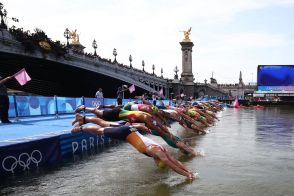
{"points": [[166, 92], [187, 77]]}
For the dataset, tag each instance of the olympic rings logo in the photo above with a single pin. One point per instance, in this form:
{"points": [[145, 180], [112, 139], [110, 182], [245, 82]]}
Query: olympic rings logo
{"points": [[24, 160], [96, 103]]}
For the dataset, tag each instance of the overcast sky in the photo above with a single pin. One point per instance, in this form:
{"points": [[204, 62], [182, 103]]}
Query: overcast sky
{"points": [[229, 36]]}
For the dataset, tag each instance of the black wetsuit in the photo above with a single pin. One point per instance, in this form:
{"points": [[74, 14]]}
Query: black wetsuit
{"points": [[111, 115], [119, 133]]}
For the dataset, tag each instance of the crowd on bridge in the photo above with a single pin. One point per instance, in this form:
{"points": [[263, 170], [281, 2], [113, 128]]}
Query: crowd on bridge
{"points": [[133, 121]]}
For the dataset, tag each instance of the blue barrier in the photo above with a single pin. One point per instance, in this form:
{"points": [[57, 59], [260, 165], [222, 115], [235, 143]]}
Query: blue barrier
{"points": [[11, 111], [28, 106], [73, 144], [24, 155], [34, 106], [67, 105]]}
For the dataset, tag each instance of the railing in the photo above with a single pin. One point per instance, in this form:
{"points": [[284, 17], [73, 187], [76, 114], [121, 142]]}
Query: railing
{"points": [[222, 98], [28, 106]]}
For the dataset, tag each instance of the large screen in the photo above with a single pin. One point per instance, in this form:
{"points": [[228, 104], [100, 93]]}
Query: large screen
{"points": [[275, 77]]}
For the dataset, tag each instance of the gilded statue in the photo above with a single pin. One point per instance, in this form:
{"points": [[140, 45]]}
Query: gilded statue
{"points": [[74, 37], [45, 45], [187, 34]]}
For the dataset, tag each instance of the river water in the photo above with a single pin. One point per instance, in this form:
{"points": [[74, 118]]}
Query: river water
{"points": [[248, 152]]}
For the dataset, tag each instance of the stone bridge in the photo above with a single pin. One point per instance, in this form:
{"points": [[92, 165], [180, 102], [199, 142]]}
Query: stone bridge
{"points": [[14, 57], [79, 74]]}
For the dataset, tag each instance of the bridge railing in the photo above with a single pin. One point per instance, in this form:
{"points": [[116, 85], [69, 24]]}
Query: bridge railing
{"points": [[30, 43]]}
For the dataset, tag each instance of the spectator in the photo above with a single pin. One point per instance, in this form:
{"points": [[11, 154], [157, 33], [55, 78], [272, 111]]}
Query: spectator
{"points": [[154, 98], [99, 94], [4, 100], [182, 95], [119, 96]]}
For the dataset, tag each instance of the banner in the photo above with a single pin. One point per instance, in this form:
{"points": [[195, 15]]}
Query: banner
{"points": [[34, 105], [93, 102], [67, 105], [29, 155]]}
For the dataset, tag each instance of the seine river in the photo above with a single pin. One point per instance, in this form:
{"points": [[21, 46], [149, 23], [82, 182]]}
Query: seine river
{"points": [[248, 152]]}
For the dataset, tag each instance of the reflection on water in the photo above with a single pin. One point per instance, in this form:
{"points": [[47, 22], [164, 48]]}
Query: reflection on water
{"points": [[275, 126], [248, 152]]}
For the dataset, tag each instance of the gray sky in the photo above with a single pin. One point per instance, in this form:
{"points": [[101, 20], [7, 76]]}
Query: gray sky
{"points": [[229, 35]]}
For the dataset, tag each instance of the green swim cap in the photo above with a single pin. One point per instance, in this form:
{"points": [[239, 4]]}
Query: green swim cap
{"points": [[191, 113], [154, 109], [161, 164]]}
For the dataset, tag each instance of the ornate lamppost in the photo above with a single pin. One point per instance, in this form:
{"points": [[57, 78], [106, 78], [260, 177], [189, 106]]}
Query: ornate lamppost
{"points": [[161, 72], [131, 59], [94, 45], [3, 15], [153, 67], [176, 70], [66, 35], [143, 64], [114, 54]]}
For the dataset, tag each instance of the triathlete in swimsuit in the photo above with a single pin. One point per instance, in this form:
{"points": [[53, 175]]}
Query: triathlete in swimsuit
{"points": [[135, 117], [150, 109], [141, 143], [184, 121]]}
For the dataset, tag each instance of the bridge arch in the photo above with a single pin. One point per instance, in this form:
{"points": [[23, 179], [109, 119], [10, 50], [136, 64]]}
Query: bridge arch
{"points": [[69, 71]]}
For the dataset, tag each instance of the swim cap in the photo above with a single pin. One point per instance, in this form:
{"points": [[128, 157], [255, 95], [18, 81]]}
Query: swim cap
{"points": [[191, 113], [154, 109], [194, 103], [161, 164]]}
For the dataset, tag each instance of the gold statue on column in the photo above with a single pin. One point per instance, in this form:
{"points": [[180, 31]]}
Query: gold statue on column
{"points": [[74, 37], [186, 35]]}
